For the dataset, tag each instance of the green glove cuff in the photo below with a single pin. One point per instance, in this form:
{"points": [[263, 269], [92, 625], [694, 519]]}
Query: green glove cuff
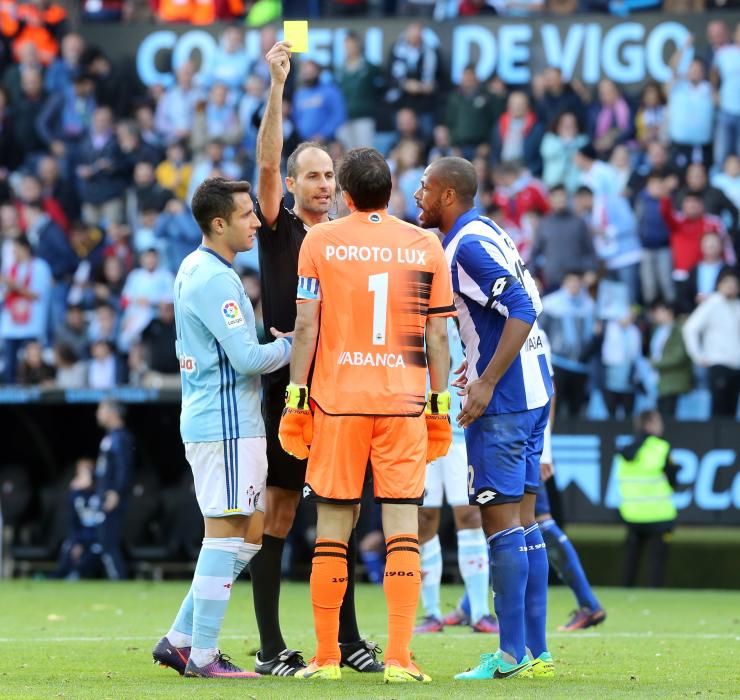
{"points": [[296, 396]]}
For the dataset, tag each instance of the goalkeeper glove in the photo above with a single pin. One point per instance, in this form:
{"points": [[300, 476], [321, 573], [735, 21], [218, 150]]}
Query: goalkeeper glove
{"points": [[439, 428], [296, 425]]}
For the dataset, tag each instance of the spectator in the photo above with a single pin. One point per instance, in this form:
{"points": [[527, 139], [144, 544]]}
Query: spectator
{"points": [[27, 111], [562, 239], [102, 368], [33, 369], [687, 228], [101, 171], [414, 73], [113, 472], [54, 186], [66, 117], [718, 35], [408, 168], [28, 61], [646, 477], [620, 161], [655, 161], [715, 201], [30, 190], [470, 113], [133, 149], [146, 287], [726, 74], [523, 198], [669, 358], [72, 333], [554, 96], [656, 266], [712, 337], [216, 118], [558, 150], [51, 245], [651, 118], [177, 231], [610, 120], [518, 134], [729, 180], [158, 345], [518, 8], [251, 282], [9, 155], [146, 194], [212, 162], [173, 173], [620, 352], [359, 82], [441, 146], [177, 106], [229, 63], [104, 323], [108, 282], [568, 317], [65, 68], [598, 176], [616, 241], [250, 107], [27, 281], [41, 24], [116, 86], [318, 107], [702, 279], [690, 110], [145, 120]]}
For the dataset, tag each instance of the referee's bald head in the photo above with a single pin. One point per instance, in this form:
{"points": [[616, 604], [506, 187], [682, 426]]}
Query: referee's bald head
{"points": [[456, 174]]}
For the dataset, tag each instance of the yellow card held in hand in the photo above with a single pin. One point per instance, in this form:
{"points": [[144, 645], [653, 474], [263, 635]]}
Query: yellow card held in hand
{"points": [[296, 32]]}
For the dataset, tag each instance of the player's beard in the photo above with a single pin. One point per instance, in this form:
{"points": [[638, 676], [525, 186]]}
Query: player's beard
{"points": [[430, 218]]}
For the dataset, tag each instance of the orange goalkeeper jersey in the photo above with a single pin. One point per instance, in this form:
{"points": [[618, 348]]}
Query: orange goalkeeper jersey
{"points": [[378, 279]]}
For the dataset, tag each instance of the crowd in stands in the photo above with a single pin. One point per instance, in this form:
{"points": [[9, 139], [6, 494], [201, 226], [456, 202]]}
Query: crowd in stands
{"points": [[625, 206]]}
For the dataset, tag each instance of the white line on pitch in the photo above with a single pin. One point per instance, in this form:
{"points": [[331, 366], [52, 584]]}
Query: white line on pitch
{"points": [[446, 635]]}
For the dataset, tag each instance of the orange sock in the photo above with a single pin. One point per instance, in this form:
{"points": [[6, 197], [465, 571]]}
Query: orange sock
{"points": [[328, 585], [402, 584]]}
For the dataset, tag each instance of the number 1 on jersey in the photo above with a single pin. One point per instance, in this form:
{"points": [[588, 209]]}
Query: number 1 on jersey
{"points": [[378, 285]]}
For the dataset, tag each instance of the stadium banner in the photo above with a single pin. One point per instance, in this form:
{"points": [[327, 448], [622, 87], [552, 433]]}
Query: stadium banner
{"points": [[708, 489], [629, 50]]}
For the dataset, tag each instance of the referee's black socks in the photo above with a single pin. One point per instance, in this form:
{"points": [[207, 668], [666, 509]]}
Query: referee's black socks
{"points": [[348, 631], [265, 570]]}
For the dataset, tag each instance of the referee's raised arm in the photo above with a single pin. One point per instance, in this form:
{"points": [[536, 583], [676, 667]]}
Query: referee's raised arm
{"points": [[270, 136]]}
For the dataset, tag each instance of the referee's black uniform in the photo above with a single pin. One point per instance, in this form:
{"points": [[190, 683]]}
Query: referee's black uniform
{"points": [[278, 257]]}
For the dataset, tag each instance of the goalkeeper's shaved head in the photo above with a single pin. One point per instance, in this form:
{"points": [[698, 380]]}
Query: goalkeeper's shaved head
{"points": [[456, 174]]}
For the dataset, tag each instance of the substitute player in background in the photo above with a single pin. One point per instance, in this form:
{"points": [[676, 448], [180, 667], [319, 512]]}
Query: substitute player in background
{"points": [[507, 391], [311, 181], [221, 424], [371, 290], [448, 476]]}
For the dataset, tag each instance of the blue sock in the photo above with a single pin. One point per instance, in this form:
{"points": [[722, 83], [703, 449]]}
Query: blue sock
{"points": [[464, 602], [472, 558], [535, 603], [509, 569], [431, 577], [212, 582], [564, 559], [374, 562]]}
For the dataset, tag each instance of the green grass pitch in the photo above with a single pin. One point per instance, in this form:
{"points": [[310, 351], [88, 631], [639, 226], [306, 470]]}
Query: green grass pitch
{"points": [[93, 640]]}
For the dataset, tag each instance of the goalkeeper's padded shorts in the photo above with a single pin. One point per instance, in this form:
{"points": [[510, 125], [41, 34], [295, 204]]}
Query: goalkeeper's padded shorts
{"points": [[342, 446]]}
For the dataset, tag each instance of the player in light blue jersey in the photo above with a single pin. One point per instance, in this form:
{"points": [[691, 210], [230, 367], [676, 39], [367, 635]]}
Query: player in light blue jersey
{"points": [[448, 477], [221, 421], [507, 390]]}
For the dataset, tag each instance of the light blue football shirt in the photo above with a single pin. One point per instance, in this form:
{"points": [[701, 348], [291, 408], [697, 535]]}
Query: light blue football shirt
{"points": [[220, 358]]}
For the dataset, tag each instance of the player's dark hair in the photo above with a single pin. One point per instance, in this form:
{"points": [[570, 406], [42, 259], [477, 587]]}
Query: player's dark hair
{"points": [[366, 177], [456, 174], [215, 199], [291, 164]]}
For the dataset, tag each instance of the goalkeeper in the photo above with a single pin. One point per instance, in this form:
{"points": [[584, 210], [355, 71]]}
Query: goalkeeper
{"points": [[371, 290]]}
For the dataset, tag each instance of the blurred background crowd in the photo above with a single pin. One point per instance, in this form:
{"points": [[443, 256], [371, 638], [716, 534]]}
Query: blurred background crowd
{"points": [[625, 206]]}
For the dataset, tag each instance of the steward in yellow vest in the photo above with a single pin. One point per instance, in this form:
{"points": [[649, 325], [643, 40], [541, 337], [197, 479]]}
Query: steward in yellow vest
{"points": [[646, 477]]}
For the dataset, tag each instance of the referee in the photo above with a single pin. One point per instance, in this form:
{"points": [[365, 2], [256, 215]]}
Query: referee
{"points": [[311, 181]]}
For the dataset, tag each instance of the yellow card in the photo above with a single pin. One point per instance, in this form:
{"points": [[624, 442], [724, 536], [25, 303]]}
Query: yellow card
{"points": [[296, 32]]}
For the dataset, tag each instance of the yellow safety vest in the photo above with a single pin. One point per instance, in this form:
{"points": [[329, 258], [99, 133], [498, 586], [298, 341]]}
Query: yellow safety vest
{"points": [[646, 495]]}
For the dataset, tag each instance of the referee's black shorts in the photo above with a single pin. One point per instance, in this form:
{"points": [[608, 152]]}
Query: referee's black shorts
{"points": [[283, 470]]}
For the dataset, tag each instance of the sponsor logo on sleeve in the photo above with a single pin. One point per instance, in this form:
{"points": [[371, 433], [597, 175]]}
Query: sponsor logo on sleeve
{"points": [[232, 314]]}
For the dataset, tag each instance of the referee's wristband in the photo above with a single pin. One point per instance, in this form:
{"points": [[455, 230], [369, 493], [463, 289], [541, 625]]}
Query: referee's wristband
{"points": [[438, 403], [296, 396]]}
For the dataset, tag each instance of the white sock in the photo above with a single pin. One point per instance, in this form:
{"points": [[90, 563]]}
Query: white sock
{"points": [[472, 558], [179, 639], [246, 553], [202, 657]]}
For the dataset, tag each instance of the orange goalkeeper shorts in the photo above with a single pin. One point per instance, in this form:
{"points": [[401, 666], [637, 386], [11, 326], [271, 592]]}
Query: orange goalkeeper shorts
{"points": [[342, 446]]}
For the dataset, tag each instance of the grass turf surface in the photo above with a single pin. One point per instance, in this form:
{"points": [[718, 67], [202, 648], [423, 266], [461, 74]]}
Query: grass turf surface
{"points": [[93, 640]]}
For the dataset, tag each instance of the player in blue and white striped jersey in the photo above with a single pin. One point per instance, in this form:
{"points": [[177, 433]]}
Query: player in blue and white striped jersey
{"points": [[506, 390], [221, 421]]}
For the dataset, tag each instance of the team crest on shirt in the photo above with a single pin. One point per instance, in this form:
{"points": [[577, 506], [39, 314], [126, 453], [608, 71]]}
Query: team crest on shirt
{"points": [[232, 314]]}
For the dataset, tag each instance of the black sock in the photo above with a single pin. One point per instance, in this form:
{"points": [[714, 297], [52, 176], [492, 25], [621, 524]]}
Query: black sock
{"points": [[265, 572], [348, 631]]}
